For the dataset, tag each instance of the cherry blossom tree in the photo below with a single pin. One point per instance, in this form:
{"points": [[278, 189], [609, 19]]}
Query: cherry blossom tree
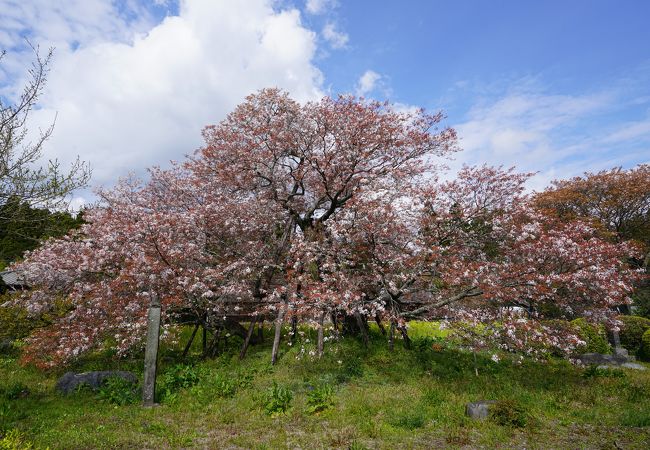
{"points": [[329, 209]]}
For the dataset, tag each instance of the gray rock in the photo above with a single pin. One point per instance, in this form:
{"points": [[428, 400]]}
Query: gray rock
{"points": [[590, 359], [637, 366], [620, 351], [479, 410], [71, 381]]}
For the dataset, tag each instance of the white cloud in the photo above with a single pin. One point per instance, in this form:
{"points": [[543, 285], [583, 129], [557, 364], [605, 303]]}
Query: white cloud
{"points": [[535, 132], [137, 99], [336, 38], [368, 82], [320, 6]]}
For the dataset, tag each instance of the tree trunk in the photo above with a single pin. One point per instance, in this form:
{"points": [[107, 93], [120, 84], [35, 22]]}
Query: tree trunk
{"points": [[276, 338], [189, 344], [362, 327], [380, 325], [260, 331], [320, 335], [247, 341], [335, 321]]}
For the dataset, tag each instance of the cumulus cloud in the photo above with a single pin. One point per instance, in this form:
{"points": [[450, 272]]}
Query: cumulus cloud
{"points": [[319, 6], [132, 95], [336, 39], [368, 82]]}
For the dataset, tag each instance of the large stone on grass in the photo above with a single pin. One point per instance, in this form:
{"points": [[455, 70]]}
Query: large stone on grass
{"points": [[597, 359], [479, 410], [71, 381], [632, 365]]}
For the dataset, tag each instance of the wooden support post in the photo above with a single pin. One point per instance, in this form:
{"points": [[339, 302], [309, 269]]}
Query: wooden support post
{"points": [[247, 341], [204, 344], [189, 343], [260, 331], [294, 329], [405, 335], [276, 338], [321, 339], [151, 352]]}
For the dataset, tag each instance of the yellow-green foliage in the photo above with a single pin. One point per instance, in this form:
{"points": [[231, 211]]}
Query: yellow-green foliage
{"points": [[17, 323], [14, 440], [594, 335], [632, 331]]}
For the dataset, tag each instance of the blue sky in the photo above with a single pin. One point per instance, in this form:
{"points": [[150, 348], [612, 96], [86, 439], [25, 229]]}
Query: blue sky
{"points": [[557, 87]]}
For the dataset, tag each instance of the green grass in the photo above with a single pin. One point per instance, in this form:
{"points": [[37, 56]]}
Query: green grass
{"points": [[371, 398]]}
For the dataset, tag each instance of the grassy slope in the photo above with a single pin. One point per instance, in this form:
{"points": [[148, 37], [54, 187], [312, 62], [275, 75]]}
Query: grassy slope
{"points": [[405, 399]]}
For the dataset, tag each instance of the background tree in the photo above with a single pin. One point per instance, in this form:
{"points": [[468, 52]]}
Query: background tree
{"points": [[21, 177], [618, 201], [23, 227]]}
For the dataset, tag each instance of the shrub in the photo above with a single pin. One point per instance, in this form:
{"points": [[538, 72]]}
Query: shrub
{"points": [[320, 398], [177, 377], [14, 391], [509, 413], [594, 371], [645, 346], [594, 335], [245, 379], [277, 400], [118, 391], [632, 331]]}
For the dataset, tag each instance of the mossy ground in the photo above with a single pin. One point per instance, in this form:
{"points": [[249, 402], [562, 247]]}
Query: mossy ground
{"points": [[381, 399]]}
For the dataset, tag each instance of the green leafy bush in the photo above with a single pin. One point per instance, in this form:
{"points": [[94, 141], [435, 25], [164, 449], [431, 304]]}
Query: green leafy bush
{"points": [[632, 331], [320, 398], [14, 391], [509, 413], [594, 335], [180, 376], [277, 400], [645, 346], [225, 387], [245, 379], [118, 391]]}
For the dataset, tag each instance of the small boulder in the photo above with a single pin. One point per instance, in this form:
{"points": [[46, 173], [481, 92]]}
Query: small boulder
{"points": [[631, 365], [71, 381], [597, 359], [479, 410]]}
